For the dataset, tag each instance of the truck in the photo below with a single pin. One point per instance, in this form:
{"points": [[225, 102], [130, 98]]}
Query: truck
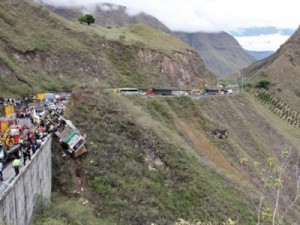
{"points": [[159, 91], [68, 135], [9, 141]]}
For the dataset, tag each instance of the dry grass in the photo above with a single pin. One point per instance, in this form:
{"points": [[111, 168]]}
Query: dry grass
{"points": [[200, 139], [144, 36], [127, 135]]}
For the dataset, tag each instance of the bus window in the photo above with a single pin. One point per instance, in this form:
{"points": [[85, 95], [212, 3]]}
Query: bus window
{"points": [[128, 91]]}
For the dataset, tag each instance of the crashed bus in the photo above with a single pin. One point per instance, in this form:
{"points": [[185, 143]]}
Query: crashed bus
{"points": [[69, 136]]}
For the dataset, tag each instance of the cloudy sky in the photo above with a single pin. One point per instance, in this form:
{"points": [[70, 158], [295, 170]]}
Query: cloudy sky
{"points": [[258, 25]]}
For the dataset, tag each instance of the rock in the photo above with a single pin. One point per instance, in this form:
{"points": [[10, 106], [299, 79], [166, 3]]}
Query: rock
{"points": [[220, 133]]}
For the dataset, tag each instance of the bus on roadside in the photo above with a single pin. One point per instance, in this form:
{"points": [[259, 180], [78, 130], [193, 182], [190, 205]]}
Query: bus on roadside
{"points": [[128, 91]]}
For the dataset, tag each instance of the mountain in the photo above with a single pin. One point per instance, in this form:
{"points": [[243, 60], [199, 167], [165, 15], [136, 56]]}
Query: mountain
{"points": [[258, 55], [109, 15], [222, 54], [220, 51], [30, 59], [282, 70], [150, 159]]}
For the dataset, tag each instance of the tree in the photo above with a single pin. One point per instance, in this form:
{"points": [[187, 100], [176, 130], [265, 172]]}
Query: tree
{"points": [[263, 84], [87, 18], [272, 174]]}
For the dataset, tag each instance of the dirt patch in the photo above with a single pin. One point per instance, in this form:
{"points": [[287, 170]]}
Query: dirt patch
{"points": [[200, 140]]}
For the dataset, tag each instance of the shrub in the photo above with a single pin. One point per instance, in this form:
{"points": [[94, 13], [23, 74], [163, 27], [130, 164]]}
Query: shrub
{"points": [[263, 84]]}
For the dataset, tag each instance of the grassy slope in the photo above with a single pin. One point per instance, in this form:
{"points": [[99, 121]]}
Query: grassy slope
{"points": [[41, 51], [26, 48], [126, 137], [155, 159], [143, 36]]}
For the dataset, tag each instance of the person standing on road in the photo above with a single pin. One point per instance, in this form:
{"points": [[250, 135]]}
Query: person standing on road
{"points": [[33, 145], [25, 147], [1, 169], [16, 165]]}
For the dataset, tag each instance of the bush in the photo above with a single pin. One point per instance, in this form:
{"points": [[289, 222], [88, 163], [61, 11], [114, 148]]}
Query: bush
{"points": [[67, 211], [263, 84]]}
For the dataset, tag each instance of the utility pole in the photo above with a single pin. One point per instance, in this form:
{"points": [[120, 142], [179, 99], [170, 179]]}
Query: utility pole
{"points": [[241, 75], [242, 81]]}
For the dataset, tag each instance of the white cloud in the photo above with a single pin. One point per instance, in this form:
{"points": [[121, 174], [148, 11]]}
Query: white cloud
{"points": [[269, 42], [108, 8], [210, 15]]}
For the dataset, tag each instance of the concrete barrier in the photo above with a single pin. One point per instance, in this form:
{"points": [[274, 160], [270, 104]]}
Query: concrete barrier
{"points": [[23, 195]]}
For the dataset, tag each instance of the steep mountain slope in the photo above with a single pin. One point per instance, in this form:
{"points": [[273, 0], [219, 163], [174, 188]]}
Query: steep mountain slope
{"points": [[53, 54], [282, 69], [220, 51], [153, 160]]}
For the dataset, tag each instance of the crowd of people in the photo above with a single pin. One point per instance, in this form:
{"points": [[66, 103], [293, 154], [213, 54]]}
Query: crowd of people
{"points": [[30, 141], [31, 137], [28, 146], [11, 101]]}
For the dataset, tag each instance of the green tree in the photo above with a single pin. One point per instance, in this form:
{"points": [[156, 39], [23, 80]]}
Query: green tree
{"points": [[263, 84], [87, 18]]}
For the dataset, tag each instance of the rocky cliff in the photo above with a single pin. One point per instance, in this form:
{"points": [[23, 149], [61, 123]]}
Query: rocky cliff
{"points": [[180, 70]]}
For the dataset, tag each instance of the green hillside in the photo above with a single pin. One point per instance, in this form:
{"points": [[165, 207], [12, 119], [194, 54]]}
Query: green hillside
{"points": [[153, 160], [42, 51], [144, 36], [282, 70], [142, 167]]}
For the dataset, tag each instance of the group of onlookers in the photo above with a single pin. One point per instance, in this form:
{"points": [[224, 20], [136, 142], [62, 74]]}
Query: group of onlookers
{"points": [[11, 101], [29, 144], [32, 138]]}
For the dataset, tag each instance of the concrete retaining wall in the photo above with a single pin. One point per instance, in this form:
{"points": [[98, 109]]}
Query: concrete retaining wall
{"points": [[32, 185]]}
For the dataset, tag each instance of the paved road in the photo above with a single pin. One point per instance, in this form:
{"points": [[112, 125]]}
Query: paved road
{"points": [[8, 172]]}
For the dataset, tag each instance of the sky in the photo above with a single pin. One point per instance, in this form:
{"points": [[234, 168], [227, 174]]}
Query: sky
{"points": [[258, 25]]}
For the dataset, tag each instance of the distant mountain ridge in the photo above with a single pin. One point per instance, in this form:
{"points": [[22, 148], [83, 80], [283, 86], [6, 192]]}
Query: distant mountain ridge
{"points": [[222, 54], [260, 54]]}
